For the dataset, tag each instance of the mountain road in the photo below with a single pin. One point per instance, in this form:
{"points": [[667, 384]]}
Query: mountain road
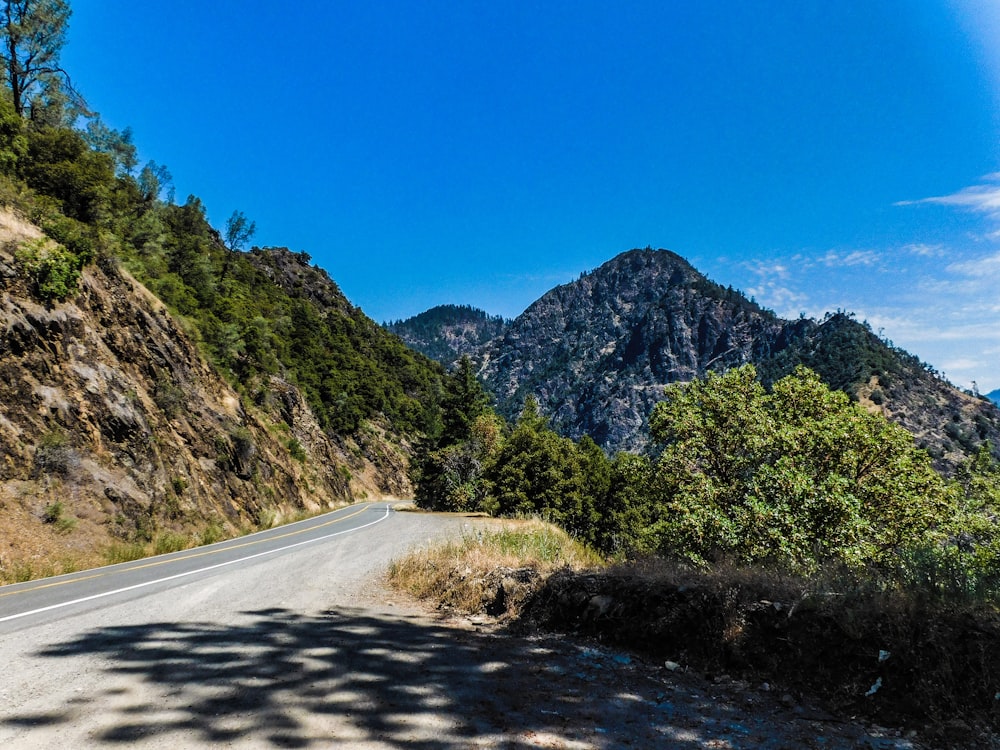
{"points": [[287, 638]]}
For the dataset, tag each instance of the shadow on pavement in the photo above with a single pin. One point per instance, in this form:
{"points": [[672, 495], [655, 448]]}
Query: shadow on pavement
{"points": [[351, 677]]}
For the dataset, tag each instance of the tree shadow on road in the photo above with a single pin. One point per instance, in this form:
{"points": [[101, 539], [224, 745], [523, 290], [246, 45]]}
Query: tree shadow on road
{"points": [[352, 677]]}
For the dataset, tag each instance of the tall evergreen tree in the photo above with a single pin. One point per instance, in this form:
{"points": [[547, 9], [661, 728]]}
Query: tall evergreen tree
{"points": [[34, 33], [464, 401]]}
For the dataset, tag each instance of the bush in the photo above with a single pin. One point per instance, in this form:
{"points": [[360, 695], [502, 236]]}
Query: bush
{"points": [[296, 450], [54, 272], [798, 476], [55, 515], [170, 541], [54, 455]]}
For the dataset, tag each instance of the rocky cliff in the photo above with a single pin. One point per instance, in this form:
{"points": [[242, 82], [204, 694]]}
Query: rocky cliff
{"points": [[114, 429], [598, 352]]}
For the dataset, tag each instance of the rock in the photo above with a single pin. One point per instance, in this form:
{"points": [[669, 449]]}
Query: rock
{"points": [[598, 606]]}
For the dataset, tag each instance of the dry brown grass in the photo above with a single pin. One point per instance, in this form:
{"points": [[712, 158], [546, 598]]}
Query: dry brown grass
{"points": [[492, 569]]}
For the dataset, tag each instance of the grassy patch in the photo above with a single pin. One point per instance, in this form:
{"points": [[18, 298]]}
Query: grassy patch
{"points": [[491, 570], [120, 552], [170, 541]]}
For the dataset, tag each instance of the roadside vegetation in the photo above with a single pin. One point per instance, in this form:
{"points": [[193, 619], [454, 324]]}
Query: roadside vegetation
{"points": [[796, 477], [782, 534], [492, 569]]}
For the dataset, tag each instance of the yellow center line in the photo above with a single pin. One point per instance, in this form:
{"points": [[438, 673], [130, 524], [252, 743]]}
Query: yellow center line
{"points": [[50, 585], [187, 557]]}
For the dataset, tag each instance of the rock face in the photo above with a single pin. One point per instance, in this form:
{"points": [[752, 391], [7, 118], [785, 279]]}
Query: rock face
{"points": [[597, 353], [113, 427]]}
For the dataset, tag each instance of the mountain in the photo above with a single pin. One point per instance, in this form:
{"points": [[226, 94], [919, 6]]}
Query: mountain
{"points": [[949, 423], [597, 353], [447, 332], [994, 396]]}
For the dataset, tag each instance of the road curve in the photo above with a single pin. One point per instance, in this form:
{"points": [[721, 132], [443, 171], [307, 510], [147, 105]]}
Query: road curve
{"points": [[27, 604], [285, 639]]}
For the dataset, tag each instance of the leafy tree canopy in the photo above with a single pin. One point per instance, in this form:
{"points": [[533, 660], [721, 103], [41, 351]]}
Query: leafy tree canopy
{"points": [[800, 474]]}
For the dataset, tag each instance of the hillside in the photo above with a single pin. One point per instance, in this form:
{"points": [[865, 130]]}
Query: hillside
{"points": [[164, 385], [114, 429], [447, 332], [598, 351]]}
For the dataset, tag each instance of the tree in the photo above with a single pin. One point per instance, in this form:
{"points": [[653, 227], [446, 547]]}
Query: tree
{"points": [[464, 401], [34, 32], [239, 231], [537, 472], [448, 468], [117, 144], [153, 180], [800, 475]]}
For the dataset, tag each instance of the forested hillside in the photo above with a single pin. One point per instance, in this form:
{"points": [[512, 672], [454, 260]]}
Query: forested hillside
{"points": [[164, 382], [447, 332]]}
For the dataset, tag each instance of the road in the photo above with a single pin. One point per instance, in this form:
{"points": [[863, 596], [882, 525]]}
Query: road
{"points": [[286, 639], [27, 604]]}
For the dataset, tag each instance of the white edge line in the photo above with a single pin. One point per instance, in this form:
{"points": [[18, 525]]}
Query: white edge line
{"points": [[190, 572]]}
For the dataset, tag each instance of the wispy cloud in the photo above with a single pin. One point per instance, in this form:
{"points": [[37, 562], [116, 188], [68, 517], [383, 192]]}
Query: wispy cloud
{"points": [[835, 259], [767, 269], [986, 269], [983, 198], [926, 251], [782, 299]]}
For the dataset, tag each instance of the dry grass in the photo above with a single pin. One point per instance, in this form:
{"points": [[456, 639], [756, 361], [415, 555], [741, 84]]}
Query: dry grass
{"points": [[493, 569]]}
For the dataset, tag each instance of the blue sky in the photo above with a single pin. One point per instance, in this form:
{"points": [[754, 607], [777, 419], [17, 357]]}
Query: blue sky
{"points": [[818, 156]]}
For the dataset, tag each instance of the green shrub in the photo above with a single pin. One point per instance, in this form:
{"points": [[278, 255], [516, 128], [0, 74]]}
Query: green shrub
{"points": [[212, 533], [120, 552], [53, 271], [296, 450], [798, 476], [170, 541], [54, 455]]}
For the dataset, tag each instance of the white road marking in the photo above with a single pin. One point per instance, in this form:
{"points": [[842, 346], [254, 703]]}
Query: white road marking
{"points": [[190, 572]]}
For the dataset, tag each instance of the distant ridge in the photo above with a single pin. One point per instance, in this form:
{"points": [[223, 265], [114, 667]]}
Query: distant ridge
{"points": [[447, 332], [597, 353], [994, 396]]}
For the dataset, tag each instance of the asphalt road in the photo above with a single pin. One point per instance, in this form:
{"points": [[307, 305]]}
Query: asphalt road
{"points": [[29, 604], [286, 639]]}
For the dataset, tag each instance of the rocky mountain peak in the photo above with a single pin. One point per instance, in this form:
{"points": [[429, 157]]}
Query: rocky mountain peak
{"points": [[597, 353]]}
